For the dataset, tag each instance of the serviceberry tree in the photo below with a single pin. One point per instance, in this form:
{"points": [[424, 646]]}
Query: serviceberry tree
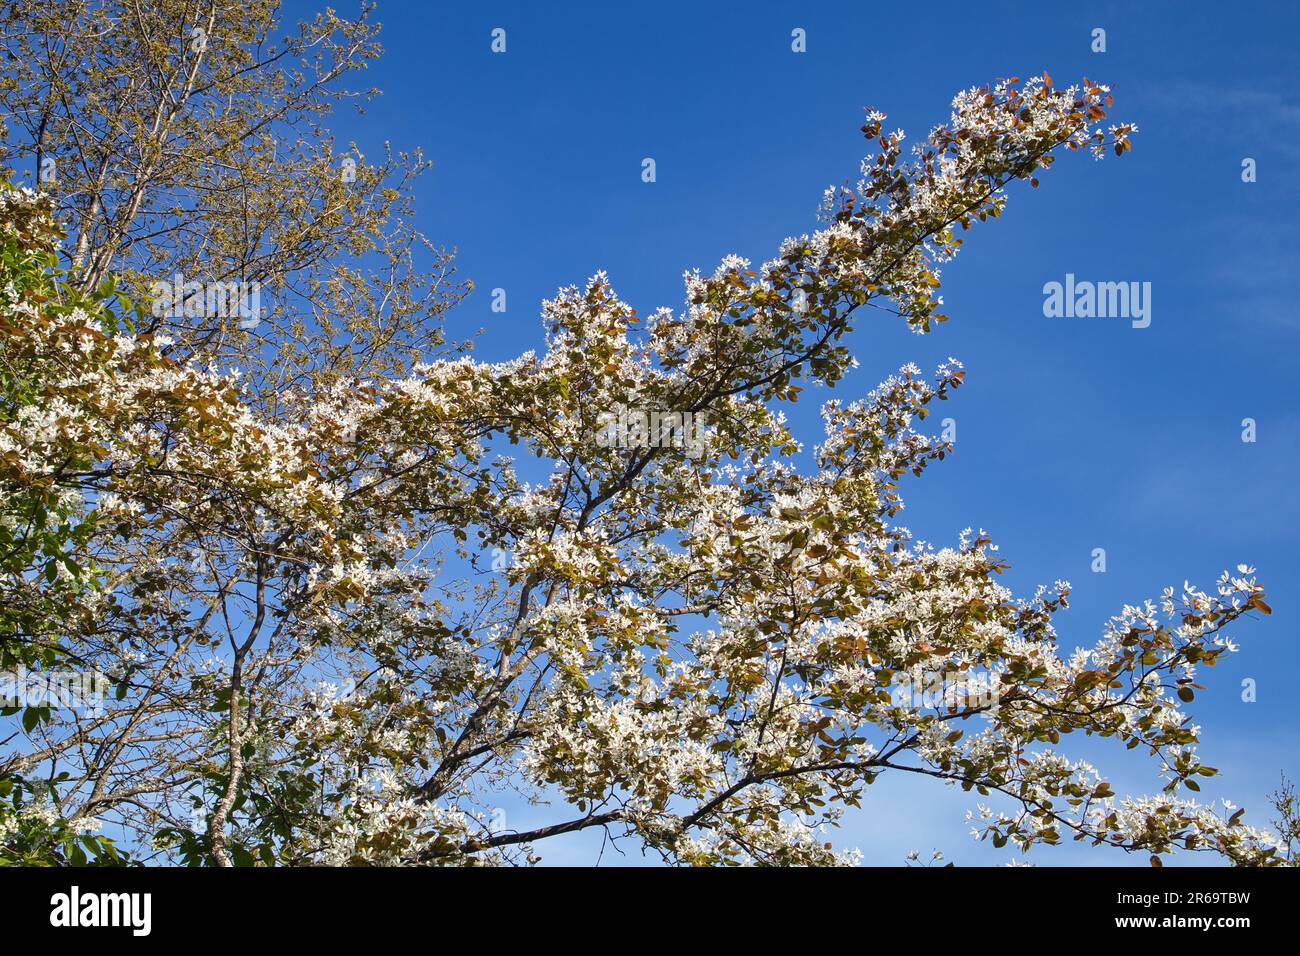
{"points": [[698, 645]]}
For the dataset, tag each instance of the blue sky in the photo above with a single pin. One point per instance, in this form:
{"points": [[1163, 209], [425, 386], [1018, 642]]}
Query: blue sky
{"points": [[1072, 434]]}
